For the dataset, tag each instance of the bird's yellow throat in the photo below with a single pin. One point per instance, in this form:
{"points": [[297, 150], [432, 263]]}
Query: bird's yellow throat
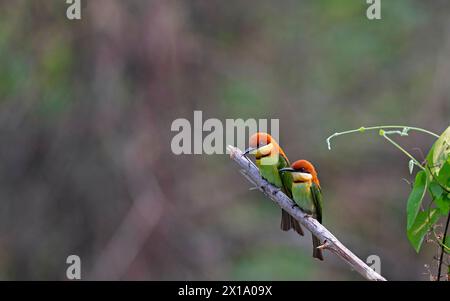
{"points": [[263, 151], [301, 177]]}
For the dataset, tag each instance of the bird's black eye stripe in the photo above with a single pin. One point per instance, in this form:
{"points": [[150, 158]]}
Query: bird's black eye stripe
{"points": [[302, 169]]}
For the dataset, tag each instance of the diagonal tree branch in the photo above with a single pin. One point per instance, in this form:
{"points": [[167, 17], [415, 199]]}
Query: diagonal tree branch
{"points": [[331, 243]]}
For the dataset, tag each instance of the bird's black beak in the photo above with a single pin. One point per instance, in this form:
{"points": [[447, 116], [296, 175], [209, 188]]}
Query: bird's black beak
{"points": [[288, 169], [248, 150]]}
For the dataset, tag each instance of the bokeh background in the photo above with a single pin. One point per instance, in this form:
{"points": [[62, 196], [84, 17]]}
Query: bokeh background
{"points": [[86, 108]]}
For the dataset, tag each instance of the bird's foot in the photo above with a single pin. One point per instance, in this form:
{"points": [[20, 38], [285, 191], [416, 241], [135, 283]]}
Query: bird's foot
{"points": [[294, 206], [276, 191]]}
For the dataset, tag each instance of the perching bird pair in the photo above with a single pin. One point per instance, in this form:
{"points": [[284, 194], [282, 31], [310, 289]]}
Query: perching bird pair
{"points": [[298, 181]]}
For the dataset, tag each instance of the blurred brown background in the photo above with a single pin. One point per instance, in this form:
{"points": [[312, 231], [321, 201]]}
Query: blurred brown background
{"points": [[86, 108]]}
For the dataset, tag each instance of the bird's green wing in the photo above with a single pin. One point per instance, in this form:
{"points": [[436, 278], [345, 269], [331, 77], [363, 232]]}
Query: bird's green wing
{"points": [[287, 221], [286, 177], [317, 199]]}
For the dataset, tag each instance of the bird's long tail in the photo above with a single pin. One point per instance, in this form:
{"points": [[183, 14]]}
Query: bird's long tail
{"points": [[288, 222], [317, 253]]}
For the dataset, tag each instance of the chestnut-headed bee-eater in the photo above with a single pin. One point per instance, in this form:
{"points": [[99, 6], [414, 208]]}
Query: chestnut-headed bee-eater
{"points": [[307, 194], [270, 158]]}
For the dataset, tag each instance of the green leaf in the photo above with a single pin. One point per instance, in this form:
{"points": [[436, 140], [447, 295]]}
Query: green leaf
{"points": [[447, 241], [435, 189], [424, 221], [443, 204], [439, 197], [439, 152], [415, 198], [444, 175]]}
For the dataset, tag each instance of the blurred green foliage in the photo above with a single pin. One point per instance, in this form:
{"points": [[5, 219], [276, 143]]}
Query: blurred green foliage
{"points": [[268, 263], [85, 115]]}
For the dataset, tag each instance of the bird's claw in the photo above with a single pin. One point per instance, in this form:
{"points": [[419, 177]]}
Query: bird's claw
{"points": [[276, 191]]}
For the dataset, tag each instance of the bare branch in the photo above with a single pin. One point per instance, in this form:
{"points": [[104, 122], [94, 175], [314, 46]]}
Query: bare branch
{"points": [[330, 242]]}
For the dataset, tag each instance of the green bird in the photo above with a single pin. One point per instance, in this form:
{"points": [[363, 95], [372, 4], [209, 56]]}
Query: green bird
{"points": [[307, 194], [270, 158]]}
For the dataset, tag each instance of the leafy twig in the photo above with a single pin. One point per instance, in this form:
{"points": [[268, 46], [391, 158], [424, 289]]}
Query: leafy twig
{"points": [[404, 131], [384, 134]]}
